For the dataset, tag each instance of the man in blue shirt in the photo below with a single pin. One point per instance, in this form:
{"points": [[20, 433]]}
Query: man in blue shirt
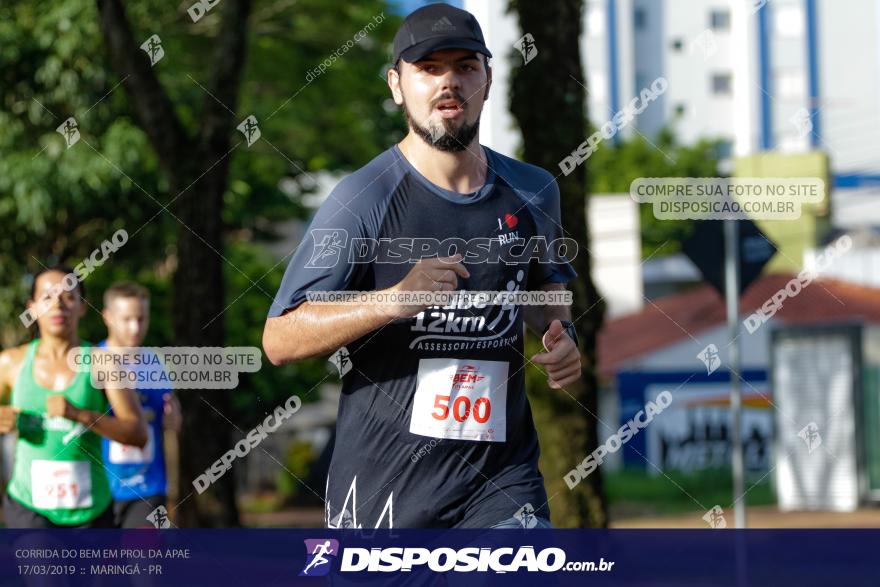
{"points": [[137, 476]]}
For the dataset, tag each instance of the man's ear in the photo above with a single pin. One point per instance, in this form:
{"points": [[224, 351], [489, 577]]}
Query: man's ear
{"points": [[393, 78]]}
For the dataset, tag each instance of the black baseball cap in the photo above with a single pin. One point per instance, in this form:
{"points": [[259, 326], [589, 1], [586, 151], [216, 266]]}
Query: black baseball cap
{"points": [[434, 27]]}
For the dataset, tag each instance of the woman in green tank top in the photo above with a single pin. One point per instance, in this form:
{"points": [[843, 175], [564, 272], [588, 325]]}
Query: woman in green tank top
{"points": [[58, 476]]}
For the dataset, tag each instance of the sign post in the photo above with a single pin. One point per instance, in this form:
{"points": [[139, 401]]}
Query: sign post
{"points": [[731, 294], [746, 251]]}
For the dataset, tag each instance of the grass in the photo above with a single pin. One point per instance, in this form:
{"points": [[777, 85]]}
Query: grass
{"points": [[633, 493], [260, 503]]}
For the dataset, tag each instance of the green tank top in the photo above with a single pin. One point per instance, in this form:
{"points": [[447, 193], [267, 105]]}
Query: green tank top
{"points": [[58, 470]]}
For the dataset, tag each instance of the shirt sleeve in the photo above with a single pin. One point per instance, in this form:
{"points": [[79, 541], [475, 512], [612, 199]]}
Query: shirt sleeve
{"points": [[554, 265], [321, 262]]}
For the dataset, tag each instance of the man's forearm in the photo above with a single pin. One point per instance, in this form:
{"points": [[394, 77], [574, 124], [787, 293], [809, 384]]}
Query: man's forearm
{"points": [[538, 317], [316, 329]]}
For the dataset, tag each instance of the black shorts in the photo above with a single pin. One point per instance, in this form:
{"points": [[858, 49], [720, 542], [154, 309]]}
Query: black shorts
{"points": [[17, 515], [133, 513]]}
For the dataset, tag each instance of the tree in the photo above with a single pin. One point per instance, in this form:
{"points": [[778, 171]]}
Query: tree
{"points": [[197, 164], [548, 102], [615, 166], [57, 204], [188, 159]]}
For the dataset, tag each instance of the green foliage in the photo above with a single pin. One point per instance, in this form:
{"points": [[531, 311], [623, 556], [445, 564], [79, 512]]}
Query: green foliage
{"points": [[57, 204], [634, 493], [612, 168], [54, 200], [297, 460], [247, 299]]}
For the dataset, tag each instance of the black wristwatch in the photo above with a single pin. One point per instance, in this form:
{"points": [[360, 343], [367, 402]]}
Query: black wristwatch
{"points": [[569, 328]]}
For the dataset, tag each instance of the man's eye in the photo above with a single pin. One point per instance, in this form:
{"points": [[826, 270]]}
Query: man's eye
{"points": [[467, 67]]}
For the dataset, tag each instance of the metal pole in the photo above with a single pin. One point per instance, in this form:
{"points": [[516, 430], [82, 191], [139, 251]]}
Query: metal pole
{"points": [[731, 287]]}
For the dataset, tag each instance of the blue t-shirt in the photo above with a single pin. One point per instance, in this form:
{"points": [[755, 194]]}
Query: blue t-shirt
{"points": [[434, 428], [134, 473]]}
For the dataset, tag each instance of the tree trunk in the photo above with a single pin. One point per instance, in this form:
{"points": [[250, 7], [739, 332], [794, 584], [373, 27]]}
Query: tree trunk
{"points": [[548, 102], [197, 167]]}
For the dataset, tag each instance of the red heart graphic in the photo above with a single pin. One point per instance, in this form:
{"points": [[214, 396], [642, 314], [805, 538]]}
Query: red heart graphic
{"points": [[510, 220]]}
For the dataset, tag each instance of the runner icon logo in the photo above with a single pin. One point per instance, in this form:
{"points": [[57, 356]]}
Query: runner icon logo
{"points": [[341, 359], [328, 245], [159, 518], [318, 553], [526, 516], [710, 358]]}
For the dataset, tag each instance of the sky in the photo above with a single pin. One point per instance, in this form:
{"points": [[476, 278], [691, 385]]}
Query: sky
{"points": [[407, 6]]}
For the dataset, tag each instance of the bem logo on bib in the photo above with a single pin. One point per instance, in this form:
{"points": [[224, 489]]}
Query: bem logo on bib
{"points": [[467, 374]]}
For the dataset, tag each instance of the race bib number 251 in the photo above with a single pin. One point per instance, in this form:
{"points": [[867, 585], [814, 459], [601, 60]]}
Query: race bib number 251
{"points": [[461, 399], [61, 485]]}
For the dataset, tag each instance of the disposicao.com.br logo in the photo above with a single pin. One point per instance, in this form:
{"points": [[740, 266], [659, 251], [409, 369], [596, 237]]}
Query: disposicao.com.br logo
{"points": [[440, 560]]}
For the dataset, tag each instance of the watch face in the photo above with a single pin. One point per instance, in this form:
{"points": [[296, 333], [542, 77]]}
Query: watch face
{"points": [[571, 331], [569, 328]]}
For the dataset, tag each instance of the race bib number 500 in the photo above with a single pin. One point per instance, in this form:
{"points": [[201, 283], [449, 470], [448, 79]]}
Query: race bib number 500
{"points": [[461, 399]]}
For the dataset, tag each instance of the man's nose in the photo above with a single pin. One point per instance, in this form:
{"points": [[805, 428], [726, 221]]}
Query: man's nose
{"points": [[450, 80]]}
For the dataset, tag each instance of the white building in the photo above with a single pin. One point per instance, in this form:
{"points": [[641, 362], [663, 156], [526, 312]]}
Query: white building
{"points": [[787, 75]]}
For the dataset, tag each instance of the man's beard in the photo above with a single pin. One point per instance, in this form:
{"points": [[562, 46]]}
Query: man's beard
{"points": [[444, 136]]}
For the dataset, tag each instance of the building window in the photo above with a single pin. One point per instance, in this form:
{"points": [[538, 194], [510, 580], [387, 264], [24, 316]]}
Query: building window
{"points": [[791, 85], [722, 83], [719, 19], [677, 44], [639, 18]]}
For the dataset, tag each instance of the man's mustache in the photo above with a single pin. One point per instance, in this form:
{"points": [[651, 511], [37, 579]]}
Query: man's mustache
{"points": [[449, 96]]}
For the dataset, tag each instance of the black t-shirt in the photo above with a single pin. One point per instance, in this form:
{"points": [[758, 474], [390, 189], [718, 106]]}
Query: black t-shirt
{"points": [[434, 428]]}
